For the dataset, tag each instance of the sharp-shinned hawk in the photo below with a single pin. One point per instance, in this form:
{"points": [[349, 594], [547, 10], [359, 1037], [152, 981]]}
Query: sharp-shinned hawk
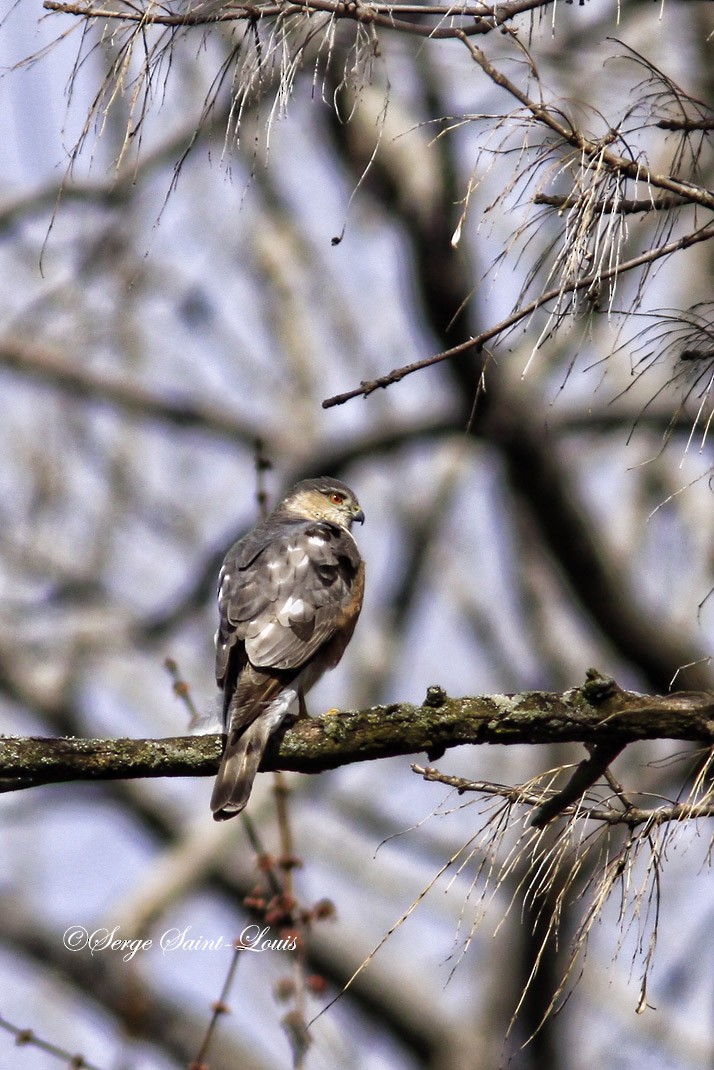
{"points": [[290, 593]]}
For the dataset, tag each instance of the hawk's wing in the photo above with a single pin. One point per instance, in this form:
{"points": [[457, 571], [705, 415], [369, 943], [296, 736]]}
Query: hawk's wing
{"points": [[284, 591]]}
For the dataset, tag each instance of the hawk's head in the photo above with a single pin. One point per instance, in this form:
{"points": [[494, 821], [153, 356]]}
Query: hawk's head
{"points": [[324, 499]]}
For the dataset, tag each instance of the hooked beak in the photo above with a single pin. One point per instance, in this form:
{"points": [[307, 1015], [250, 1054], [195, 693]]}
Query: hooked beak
{"points": [[358, 516]]}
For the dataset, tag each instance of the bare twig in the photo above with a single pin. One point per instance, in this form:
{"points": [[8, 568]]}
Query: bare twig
{"points": [[685, 124], [527, 795], [28, 1038], [476, 343], [182, 690], [586, 774], [220, 1007]]}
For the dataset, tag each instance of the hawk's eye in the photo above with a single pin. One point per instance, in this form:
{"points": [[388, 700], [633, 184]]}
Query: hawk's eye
{"points": [[336, 498]]}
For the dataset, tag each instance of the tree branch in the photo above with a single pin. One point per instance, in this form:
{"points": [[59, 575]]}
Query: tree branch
{"points": [[586, 774], [49, 367], [621, 205], [599, 713], [471, 18]]}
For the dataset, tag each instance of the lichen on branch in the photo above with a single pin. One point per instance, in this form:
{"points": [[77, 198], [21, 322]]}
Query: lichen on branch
{"points": [[599, 712]]}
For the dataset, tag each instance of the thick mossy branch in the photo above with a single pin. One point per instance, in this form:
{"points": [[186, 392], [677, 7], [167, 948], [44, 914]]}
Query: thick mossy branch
{"points": [[599, 712]]}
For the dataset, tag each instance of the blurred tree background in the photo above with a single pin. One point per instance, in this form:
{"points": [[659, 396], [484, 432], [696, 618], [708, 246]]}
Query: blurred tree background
{"points": [[213, 219]]}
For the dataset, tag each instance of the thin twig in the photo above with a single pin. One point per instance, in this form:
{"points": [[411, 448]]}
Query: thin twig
{"points": [[632, 817], [182, 690], [28, 1037], [220, 1007], [586, 774], [367, 387]]}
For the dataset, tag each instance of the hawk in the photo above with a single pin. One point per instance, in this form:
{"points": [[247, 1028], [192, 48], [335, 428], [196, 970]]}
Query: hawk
{"points": [[290, 593]]}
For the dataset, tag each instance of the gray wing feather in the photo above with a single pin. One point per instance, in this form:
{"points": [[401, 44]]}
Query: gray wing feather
{"points": [[281, 590]]}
